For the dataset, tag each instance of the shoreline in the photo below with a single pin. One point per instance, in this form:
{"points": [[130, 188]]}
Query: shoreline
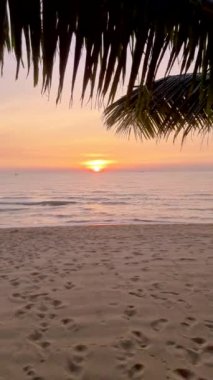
{"points": [[119, 225], [109, 302]]}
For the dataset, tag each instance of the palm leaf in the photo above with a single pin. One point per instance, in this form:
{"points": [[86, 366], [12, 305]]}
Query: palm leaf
{"points": [[4, 40], [172, 106], [105, 29]]}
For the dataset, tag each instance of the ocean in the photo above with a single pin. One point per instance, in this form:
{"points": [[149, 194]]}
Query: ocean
{"points": [[53, 198]]}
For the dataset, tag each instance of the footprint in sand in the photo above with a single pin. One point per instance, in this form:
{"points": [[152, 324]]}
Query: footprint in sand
{"points": [[209, 324], [135, 278], [67, 321], [69, 285], [44, 344], [20, 313], [184, 373], [209, 349], [207, 355], [41, 315], [127, 345], [44, 326], [198, 340], [140, 338], [29, 306], [80, 348], [127, 348], [191, 319], [193, 356], [51, 316], [14, 282], [16, 295], [56, 303], [136, 371], [180, 351], [70, 324], [129, 311], [36, 296], [29, 370], [188, 322], [137, 293], [74, 363], [170, 343], [159, 324], [80, 353], [34, 273], [4, 276], [35, 335]]}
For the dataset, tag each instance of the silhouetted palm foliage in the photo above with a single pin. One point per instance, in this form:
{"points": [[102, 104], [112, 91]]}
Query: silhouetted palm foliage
{"points": [[176, 104], [107, 30]]}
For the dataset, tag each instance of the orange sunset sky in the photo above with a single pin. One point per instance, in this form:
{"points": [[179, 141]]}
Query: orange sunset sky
{"points": [[35, 133]]}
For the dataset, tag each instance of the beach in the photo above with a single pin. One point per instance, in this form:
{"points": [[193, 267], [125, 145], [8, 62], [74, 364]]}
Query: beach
{"points": [[107, 302]]}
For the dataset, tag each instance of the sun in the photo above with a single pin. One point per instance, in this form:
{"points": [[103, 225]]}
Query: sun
{"points": [[97, 169], [97, 165]]}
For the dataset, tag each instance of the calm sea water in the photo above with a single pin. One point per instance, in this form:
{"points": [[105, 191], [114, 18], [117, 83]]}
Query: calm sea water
{"points": [[71, 198]]}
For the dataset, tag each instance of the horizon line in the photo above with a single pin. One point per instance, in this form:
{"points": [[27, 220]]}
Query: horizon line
{"points": [[175, 167]]}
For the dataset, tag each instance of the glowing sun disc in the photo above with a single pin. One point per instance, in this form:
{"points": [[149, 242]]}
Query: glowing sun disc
{"points": [[97, 165]]}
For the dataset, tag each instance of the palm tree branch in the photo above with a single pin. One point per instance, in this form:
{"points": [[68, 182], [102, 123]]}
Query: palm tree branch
{"points": [[172, 106], [108, 27]]}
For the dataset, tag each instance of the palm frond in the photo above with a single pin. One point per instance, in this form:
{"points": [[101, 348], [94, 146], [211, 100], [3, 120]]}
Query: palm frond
{"points": [[4, 39], [175, 105], [106, 29]]}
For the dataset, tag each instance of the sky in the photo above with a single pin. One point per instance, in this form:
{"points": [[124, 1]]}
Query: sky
{"points": [[35, 133]]}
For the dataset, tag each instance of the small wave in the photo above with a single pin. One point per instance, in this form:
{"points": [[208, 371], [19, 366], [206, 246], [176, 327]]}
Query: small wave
{"points": [[199, 196], [138, 220], [88, 221], [114, 203], [61, 216], [11, 209], [12, 197], [96, 199], [40, 203], [103, 201], [203, 209]]}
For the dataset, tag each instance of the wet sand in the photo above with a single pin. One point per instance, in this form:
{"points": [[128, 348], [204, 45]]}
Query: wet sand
{"points": [[107, 303]]}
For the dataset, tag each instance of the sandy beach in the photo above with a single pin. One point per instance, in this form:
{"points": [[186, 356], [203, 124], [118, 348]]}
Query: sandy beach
{"points": [[107, 303]]}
